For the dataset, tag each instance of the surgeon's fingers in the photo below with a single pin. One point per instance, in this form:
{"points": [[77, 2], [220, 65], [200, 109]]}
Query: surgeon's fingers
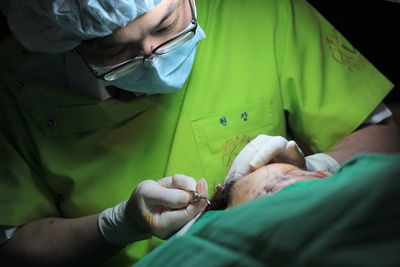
{"points": [[202, 188], [178, 181], [154, 194], [295, 154], [267, 151], [173, 220], [240, 165], [165, 182], [184, 182], [292, 154]]}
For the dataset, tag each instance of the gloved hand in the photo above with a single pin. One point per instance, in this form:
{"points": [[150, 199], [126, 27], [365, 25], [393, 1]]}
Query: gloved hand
{"points": [[322, 162], [262, 150], [160, 208]]}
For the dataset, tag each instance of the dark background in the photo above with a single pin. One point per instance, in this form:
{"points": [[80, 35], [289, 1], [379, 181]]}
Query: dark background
{"points": [[370, 25], [373, 27]]}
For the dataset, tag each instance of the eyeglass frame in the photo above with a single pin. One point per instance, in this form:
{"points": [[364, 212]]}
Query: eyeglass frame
{"points": [[142, 58]]}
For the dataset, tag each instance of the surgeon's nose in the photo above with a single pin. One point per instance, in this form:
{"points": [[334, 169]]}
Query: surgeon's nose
{"points": [[146, 47]]}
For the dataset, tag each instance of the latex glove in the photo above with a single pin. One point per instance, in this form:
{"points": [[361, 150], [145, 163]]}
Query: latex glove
{"points": [[166, 207], [262, 150], [322, 162], [160, 208]]}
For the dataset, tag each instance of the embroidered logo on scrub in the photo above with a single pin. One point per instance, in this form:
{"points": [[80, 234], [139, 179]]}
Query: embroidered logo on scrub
{"points": [[232, 147], [345, 54]]}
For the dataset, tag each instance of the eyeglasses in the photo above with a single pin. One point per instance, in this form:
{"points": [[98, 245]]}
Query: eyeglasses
{"points": [[167, 46]]}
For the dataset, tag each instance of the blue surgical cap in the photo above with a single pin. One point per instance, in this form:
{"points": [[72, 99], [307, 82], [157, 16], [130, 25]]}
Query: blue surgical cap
{"points": [[60, 25]]}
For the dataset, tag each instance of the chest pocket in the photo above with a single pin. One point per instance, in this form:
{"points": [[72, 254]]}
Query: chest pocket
{"points": [[221, 136]]}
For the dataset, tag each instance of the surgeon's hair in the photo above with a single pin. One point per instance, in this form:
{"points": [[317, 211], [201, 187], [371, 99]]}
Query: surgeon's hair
{"points": [[221, 198]]}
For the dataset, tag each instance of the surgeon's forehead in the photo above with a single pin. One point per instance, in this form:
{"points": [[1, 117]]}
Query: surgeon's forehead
{"points": [[145, 23]]}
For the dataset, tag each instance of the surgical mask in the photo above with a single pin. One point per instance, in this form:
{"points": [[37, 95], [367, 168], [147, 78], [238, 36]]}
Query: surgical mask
{"points": [[163, 74]]}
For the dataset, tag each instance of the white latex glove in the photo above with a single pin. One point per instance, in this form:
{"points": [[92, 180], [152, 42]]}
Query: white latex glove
{"points": [[160, 208], [262, 150], [322, 162]]}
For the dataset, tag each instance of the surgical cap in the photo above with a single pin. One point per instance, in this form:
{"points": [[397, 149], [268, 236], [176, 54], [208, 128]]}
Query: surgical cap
{"points": [[60, 25]]}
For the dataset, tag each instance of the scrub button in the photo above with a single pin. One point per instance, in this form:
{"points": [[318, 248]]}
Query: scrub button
{"points": [[20, 86], [51, 123]]}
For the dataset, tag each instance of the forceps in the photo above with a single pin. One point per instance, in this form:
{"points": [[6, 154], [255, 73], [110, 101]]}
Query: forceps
{"points": [[197, 196]]}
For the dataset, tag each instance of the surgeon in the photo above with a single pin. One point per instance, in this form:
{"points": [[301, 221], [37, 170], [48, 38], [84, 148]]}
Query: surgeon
{"points": [[99, 96]]}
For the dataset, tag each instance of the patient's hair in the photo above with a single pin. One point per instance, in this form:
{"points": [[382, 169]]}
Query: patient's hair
{"points": [[221, 198]]}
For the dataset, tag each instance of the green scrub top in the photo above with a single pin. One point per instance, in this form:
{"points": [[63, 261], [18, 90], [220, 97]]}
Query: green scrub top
{"points": [[264, 65], [349, 219]]}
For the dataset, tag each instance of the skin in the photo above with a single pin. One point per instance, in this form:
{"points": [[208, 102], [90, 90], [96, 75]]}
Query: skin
{"points": [[383, 137], [139, 36], [268, 180], [78, 241]]}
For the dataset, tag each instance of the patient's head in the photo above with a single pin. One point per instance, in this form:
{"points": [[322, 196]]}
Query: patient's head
{"points": [[262, 182]]}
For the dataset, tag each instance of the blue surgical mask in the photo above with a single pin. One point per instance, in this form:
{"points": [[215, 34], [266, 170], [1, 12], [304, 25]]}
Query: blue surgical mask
{"points": [[164, 73]]}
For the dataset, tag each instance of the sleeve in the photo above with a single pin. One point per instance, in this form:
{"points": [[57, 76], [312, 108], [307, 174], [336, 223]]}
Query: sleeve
{"points": [[381, 113], [24, 195], [328, 87]]}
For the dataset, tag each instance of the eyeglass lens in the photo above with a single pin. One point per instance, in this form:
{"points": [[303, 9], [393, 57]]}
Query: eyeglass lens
{"points": [[123, 70], [133, 65], [174, 43]]}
